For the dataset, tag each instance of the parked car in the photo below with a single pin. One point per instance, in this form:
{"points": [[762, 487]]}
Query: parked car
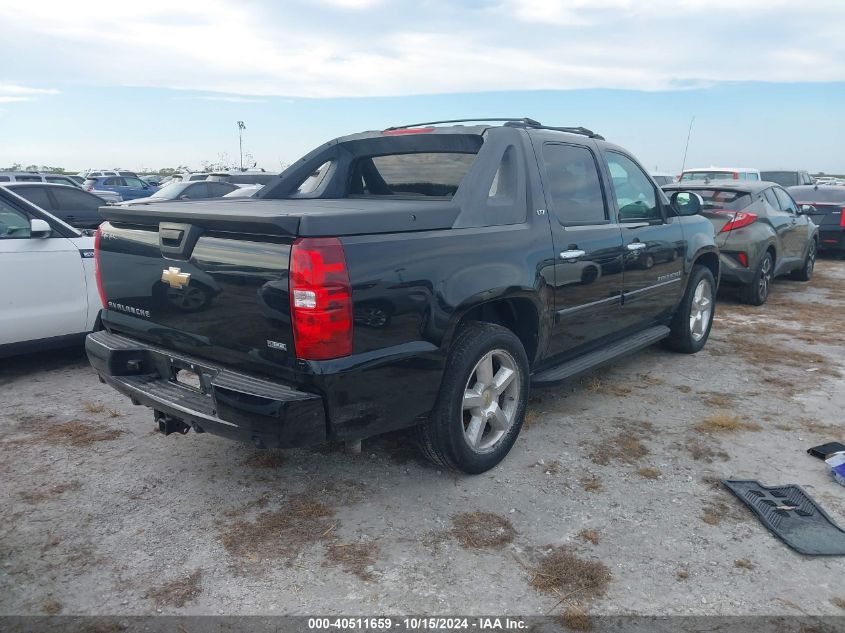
{"points": [[662, 178], [188, 191], [186, 176], [825, 205], [70, 204], [719, 173], [127, 187], [152, 180], [786, 177], [100, 173], [244, 177], [49, 296], [31, 176], [761, 234], [245, 191], [402, 278]]}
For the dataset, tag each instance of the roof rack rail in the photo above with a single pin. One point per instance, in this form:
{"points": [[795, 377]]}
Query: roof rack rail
{"points": [[509, 122], [525, 120]]}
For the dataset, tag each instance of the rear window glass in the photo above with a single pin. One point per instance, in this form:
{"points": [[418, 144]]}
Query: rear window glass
{"points": [[783, 178], [824, 193], [425, 174], [723, 199], [710, 175]]}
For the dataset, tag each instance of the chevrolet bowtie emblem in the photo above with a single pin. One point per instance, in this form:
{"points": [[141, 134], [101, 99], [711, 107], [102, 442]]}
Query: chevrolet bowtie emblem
{"points": [[174, 277]]}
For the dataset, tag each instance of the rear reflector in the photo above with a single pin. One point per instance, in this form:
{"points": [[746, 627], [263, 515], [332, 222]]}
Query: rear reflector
{"points": [[97, 274], [738, 219], [408, 130], [320, 299], [842, 217], [743, 259]]}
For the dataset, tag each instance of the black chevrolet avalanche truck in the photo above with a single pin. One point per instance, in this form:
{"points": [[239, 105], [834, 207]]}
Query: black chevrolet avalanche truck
{"points": [[419, 277]]}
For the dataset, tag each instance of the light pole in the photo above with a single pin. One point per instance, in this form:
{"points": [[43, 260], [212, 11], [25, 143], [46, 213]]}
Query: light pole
{"points": [[241, 128], [686, 148]]}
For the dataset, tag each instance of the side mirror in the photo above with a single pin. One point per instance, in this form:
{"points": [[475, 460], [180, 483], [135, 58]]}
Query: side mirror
{"points": [[806, 209], [39, 228], [686, 202]]}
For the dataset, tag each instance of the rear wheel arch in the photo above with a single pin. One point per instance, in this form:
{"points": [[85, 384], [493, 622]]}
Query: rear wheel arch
{"points": [[520, 315], [708, 259]]}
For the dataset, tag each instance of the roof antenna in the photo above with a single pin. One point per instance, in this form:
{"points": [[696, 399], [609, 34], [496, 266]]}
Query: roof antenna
{"points": [[689, 133]]}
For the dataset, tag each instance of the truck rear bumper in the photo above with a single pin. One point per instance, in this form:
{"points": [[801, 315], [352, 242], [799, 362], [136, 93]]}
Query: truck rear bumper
{"points": [[234, 405]]}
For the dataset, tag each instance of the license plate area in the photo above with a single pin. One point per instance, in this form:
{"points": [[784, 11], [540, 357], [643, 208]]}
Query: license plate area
{"points": [[190, 375]]}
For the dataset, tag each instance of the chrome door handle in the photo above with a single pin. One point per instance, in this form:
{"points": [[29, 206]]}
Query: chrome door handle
{"points": [[572, 254], [635, 246]]}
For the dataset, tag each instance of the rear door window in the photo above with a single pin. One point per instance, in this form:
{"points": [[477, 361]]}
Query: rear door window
{"points": [[573, 187], [13, 223], [75, 199], [197, 191], [36, 195], [114, 182]]}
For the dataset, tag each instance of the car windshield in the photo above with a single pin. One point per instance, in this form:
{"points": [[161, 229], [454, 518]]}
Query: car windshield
{"points": [[724, 199], [709, 175], [170, 191], [783, 178]]}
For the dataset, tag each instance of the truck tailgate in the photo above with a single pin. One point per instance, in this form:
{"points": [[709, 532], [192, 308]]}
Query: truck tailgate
{"points": [[226, 300]]}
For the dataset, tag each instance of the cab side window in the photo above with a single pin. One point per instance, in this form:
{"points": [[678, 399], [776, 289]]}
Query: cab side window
{"points": [[573, 187], [636, 195], [13, 223]]}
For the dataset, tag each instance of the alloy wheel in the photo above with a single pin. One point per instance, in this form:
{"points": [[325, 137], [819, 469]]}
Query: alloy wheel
{"points": [[701, 309], [491, 400]]}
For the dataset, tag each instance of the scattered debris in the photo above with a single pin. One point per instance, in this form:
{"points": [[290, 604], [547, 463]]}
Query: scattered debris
{"points": [[264, 459], [714, 512], [51, 607], [354, 558], [563, 573], [725, 423], [682, 574], [839, 602], [589, 535], [93, 407], [576, 618], [837, 467], [75, 433], [177, 593], [649, 472], [743, 563], [482, 530], [45, 493], [592, 484]]}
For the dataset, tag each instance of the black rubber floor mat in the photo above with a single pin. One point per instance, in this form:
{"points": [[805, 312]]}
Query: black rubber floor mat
{"points": [[792, 516]]}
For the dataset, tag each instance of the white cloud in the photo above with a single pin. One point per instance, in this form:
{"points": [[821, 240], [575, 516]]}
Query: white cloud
{"points": [[229, 99], [12, 93], [353, 48]]}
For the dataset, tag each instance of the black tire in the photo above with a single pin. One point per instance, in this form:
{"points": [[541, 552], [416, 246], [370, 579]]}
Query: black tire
{"points": [[757, 292], [684, 338], [443, 436], [805, 273]]}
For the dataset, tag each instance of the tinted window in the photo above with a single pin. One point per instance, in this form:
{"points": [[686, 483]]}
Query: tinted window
{"points": [[751, 176], [710, 175], [819, 194], [36, 195], [198, 177], [663, 180], [635, 194], [429, 174], [60, 180], [786, 203], [135, 183], [28, 179], [573, 186], [769, 195], [113, 182], [783, 178], [724, 199], [13, 223], [197, 191], [5, 179], [218, 189], [75, 199]]}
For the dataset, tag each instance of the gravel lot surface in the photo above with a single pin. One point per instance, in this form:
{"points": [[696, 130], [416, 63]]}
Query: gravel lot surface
{"points": [[614, 478]]}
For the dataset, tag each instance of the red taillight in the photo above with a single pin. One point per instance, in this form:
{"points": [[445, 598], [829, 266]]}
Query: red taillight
{"points": [[743, 259], [736, 175], [320, 299], [738, 219], [97, 274], [842, 216], [408, 130]]}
